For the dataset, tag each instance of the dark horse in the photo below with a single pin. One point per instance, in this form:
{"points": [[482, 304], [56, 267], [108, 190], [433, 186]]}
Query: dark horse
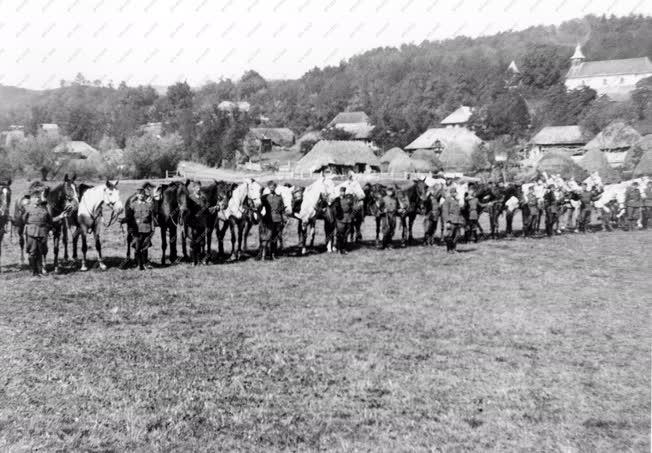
{"points": [[217, 196], [62, 198], [5, 206]]}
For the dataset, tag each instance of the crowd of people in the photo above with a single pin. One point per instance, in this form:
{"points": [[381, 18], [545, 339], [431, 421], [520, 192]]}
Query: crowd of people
{"points": [[548, 206]]}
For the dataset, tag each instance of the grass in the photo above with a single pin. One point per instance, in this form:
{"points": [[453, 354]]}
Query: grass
{"points": [[513, 345]]}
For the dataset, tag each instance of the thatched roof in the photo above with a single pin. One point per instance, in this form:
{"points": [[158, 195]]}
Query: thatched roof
{"points": [[555, 163], [347, 153], [400, 164], [594, 161], [461, 137], [360, 131], [560, 135], [392, 154], [644, 167], [635, 153], [459, 116], [428, 156], [76, 150], [616, 135], [281, 136], [350, 117]]}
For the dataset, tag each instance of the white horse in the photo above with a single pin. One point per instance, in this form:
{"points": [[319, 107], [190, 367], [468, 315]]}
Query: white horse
{"points": [[317, 191], [241, 213], [89, 217]]}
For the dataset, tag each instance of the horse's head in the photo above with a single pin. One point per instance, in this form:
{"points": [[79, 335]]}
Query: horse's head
{"points": [[286, 194], [111, 196], [70, 192], [5, 197]]}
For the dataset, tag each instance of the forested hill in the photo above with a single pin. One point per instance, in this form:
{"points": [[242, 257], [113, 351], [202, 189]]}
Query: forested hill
{"points": [[404, 90]]}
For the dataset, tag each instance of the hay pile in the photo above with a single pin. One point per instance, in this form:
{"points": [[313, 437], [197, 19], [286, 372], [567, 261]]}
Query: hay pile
{"points": [[558, 163]]}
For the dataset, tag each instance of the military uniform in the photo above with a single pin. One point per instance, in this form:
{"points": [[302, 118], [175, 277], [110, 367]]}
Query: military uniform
{"points": [[633, 204], [533, 214], [584, 218], [474, 214], [647, 205], [552, 207], [432, 216], [344, 218], [388, 220], [142, 229], [271, 226], [38, 223], [452, 218]]}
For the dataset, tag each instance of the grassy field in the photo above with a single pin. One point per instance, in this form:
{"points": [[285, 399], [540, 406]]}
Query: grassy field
{"points": [[529, 345]]}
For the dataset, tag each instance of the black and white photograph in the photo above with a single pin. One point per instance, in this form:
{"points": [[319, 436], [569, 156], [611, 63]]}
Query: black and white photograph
{"points": [[339, 225]]}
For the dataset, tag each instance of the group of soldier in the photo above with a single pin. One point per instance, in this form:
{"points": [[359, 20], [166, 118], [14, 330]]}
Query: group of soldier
{"points": [[449, 210]]}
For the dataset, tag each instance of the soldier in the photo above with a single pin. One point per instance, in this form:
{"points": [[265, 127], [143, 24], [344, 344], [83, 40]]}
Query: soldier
{"points": [[633, 205], [450, 216], [143, 229], [390, 207], [586, 205], [38, 223], [647, 205], [344, 217], [474, 214], [533, 213], [271, 226], [551, 203], [432, 214]]}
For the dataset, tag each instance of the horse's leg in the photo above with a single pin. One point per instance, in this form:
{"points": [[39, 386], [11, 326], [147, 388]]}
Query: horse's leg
{"points": [[84, 249], [411, 218], [247, 228], [313, 231], [56, 236], [377, 231], [172, 234], [64, 237], [232, 229], [98, 246], [75, 240], [184, 241], [164, 243], [21, 243], [241, 228], [404, 232]]}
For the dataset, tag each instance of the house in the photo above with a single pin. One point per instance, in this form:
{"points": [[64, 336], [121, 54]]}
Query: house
{"points": [[615, 140], [229, 106], [76, 149], [615, 78], [339, 156], [261, 140], [15, 134], [458, 118], [310, 136], [568, 139], [452, 146], [357, 124], [51, 129]]}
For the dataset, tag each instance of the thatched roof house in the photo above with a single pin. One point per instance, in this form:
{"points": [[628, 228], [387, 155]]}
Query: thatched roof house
{"points": [[279, 136], [404, 163], [644, 167], [76, 150], [594, 161], [339, 156], [357, 124], [456, 144], [350, 118], [310, 136], [559, 163], [428, 159], [390, 155], [459, 117], [569, 139], [615, 140]]}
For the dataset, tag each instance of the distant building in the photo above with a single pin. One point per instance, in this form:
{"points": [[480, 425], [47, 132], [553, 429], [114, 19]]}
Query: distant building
{"points": [[51, 129], [568, 139], [357, 124], [615, 78], [76, 149], [339, 156], [459, 118], [155, 129], [513, 76], [614, 141], [261, 140], [15, 134], [452, 146], [229, 106]]}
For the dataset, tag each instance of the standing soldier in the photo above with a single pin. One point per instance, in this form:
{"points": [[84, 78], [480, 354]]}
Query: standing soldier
{"points": [[38, 223], [432, 214], [143, 229], [271, 226], [344, 217], [647, 205], [474, 214], [633, 205], [586, 205], [551, 203], [390, 207], [533, 212], [452, 219]]}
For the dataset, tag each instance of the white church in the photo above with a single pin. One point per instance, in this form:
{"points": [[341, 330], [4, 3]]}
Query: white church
{"points": [[615, 78]]}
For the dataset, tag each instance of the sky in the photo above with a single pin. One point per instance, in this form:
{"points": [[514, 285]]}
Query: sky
{"points": [[160, 42]]}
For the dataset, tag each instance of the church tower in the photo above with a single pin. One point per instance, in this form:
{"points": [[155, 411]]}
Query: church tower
{"points": [[578, 56]]}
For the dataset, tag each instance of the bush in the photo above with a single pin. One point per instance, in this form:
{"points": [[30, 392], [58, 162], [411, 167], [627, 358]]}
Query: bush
{"points": [[149, 156]]}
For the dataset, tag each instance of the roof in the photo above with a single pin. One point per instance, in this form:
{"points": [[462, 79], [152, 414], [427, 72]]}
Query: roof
{"points": [[76, 149], [392, 154], [349, 117], [243, 106], [460, 136], [641, 65], [644, 167], [49, 126], [557, 163], [512, 67], [358, 130], [560, 135], [279, 135], [155, 128], [459, 116], [616, 135], [337, 152], [578, 55], [594, 161]]}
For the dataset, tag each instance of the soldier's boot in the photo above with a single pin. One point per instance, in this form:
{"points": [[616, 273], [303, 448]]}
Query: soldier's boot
{"points": [[146, 262], [32, 265], [41, 266], [139, 260]]}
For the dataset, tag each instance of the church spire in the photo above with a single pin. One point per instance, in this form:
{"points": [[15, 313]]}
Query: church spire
{"points": [[578, 56]]}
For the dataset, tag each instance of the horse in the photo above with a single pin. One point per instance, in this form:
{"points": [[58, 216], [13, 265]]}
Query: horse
{"points": [[314, 200], [353, 187], [410, 203], [89, 217], [492, 202], [5, 206], [373, 203], [241, 213], [62, 198], [217, 196], [195, 220], [287, 195]]}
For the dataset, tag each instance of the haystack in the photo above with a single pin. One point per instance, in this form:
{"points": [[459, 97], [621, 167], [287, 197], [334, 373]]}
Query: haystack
{"points": [[616, 136], [594, 161], [427, 158], [390, 155], [456, 159], [338, 156], [401, 164], [636, 152], [557, 163], [644, 167]]}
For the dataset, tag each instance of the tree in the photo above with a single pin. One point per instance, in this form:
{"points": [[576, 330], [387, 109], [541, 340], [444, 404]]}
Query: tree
{"points": [[603, 111], [39, 155], [149, 156], [336, 133], [544, 65], [306, 146], [250, 83], [507, 115], [642, 98]]}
